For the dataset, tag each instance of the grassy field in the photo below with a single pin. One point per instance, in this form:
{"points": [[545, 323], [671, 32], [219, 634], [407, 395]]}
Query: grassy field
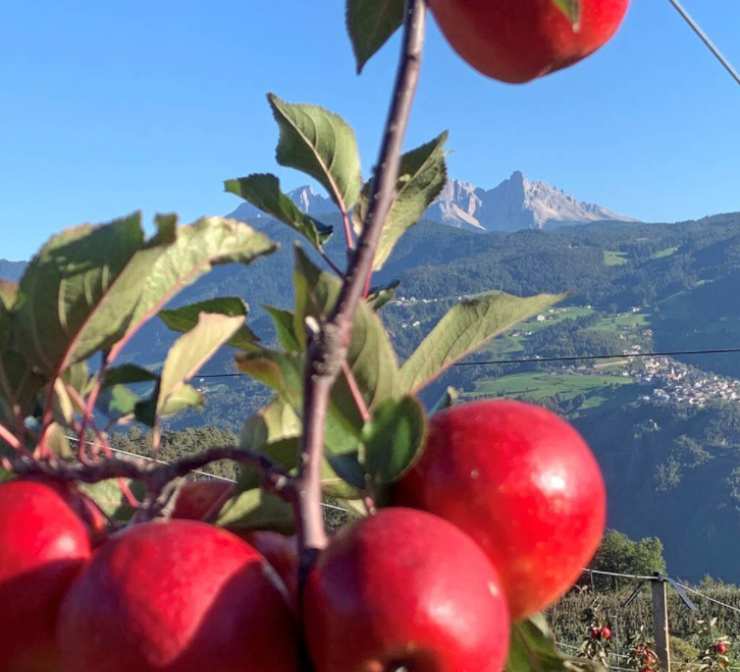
{"points": [[621, 322], [540, 386], [666, 252], [614, 258]]}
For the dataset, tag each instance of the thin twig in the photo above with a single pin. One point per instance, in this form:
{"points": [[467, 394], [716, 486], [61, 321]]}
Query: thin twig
{"points": [[154, 475], [10, 438], [328, 345], [354, 389]]}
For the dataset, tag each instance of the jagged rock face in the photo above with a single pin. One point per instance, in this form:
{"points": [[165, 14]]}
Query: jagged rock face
{"points": [[459, 203], [516, 203]]}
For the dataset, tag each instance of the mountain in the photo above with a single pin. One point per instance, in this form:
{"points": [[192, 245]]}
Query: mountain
{"points": [[305, 198], [517, 203], [11, 270]]}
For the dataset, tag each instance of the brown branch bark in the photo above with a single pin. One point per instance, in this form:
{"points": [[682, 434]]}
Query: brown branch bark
{"points": [[328, 345], [155, 476]]}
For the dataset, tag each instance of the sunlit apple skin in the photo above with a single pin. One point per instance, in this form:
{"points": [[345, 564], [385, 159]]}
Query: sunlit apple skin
{"points": [[520, 481], [177, 596], [406, 589], [43, 546], [516, 41]]}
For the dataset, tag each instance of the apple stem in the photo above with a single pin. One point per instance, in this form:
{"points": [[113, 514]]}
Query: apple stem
{"points": [[328, 342]]}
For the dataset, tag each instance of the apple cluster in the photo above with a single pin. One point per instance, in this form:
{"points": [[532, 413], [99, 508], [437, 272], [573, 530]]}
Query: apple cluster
{"points": [[493, 523]]}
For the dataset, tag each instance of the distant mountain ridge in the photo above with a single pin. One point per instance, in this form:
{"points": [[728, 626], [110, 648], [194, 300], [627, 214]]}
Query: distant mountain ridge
{"points": [[516, 203]]}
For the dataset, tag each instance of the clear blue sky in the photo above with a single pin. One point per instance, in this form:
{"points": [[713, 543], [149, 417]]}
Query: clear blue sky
{"points": [[109, 107]]}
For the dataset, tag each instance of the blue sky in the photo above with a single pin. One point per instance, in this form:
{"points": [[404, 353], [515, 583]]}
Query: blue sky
{"points": [[110, 107]]}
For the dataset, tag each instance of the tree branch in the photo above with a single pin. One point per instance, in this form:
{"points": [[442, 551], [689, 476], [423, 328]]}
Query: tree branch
{"points": [[155, 476], [328, 345]]}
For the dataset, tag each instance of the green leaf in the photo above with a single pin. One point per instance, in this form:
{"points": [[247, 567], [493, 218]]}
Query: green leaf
{"points": [[256, 509], [117, 401], [370, 356], [466, 327], [533, 649], [393, 439], [422, 176], [263, 191], [89, 286], [284, 323], [190, 352], [370, 23], [19, 383], [185, 318], [127, 374], [320, 144], [379, 296], [572, 10], [149, 410]]}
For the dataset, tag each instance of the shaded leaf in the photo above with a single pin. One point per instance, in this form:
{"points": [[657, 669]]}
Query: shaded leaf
{"points": [[370, 356], [284, 323], [117, 401], [370, 23], [189, 353], [320, 144], [256, 509], [393, 439], [186, 317], [533, 649], [379, 296], [466, 327], [127, 374], [263, 191], [422, 176], [149, 410]]}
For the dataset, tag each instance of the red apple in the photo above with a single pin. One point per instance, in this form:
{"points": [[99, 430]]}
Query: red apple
{"points": [[282, 553], [523, 484], [177, 596], [721, 648], [606, 633], [198, 499], [43, 546], [405, 589], [518, 40]]}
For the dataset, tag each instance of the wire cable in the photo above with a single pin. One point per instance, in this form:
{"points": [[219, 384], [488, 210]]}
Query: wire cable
{"points": [[707, 41], [706, 597]]}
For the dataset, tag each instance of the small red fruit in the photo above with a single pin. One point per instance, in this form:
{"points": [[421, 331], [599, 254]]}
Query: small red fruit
{"points": [[405, 589], [523, 484], [518, 40], [606, 633], [198, 499], [595, 633], [43, 546], [721, 648], [177, 596]]}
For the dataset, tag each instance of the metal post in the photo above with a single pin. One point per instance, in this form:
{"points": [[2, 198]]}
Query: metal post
{"points": [[660, 622]]}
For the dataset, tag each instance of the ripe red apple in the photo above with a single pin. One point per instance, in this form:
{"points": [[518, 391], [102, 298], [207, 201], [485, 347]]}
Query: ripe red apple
{"points": [[518, 40], [406, 589], [177, 596], [721, 647], [523, 484], [43, 546], [197, 499], [282, 553], [594, 633], [606, 633]]}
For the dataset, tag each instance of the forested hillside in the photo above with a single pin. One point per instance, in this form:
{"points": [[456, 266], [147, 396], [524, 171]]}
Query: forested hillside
{"points": [[665, 429]]}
